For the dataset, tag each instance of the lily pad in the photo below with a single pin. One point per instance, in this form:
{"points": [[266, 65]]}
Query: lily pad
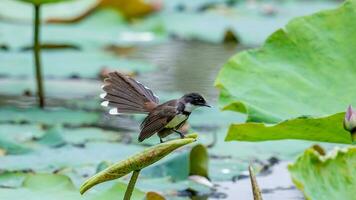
{"points": [[192, 19], [48, 116], [331, 176], [63, 9], [325, 129], [290, 75], [12, 179], [13, 148], [52, 138], [57, 88], [53, 187], [51, 159], [39, 2], [79, 64]]}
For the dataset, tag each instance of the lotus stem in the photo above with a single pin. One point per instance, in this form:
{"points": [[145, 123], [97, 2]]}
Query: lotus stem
{"points": [[131, 185], [37, 54], [255, 189]]}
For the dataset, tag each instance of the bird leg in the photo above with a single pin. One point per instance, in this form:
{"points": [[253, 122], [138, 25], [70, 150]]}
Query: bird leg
{"points": [[160, 139], [180, 133]]}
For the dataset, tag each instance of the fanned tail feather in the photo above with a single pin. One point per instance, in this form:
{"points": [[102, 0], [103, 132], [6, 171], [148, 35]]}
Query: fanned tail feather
{"points": [[126, 95]]}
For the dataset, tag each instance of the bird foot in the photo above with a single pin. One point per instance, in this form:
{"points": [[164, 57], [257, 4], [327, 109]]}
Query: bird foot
{"points": [[180, 134]]}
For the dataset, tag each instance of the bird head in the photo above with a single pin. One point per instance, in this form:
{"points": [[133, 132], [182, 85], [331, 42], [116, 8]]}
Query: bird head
{"points": [[193, 100]]}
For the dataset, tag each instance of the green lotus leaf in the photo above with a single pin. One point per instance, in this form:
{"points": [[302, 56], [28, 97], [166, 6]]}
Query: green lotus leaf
{"points": [[12, 147], [136, 162], [307, 68], [331, 176], [325, 129], [54, 187], [39, 2], [49, 116], [80, 64]]}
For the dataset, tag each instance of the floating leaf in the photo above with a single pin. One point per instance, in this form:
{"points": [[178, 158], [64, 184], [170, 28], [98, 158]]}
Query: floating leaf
{"points": [[136, 162], [52, 137], [199, 161], [64, 9], [39, 2], [57, 88], [50, 159], [48, 116], [78, 64], [10, 147], [12, 179], [325, 129], [331, 176], [54, 187], [154, 196], [290, 75]]}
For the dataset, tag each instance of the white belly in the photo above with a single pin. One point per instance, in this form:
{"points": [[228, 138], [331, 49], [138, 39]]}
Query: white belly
{"points": [[178, 119]]}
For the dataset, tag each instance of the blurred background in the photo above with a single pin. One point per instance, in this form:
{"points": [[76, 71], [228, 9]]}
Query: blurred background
{"points": [[173, 47]]}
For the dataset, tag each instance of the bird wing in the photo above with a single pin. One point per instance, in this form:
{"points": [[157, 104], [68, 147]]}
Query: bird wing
{"points": [[156, 121]]}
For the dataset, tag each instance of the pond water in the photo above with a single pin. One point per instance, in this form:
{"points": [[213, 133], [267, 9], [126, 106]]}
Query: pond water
{"points": [[186, 66]]}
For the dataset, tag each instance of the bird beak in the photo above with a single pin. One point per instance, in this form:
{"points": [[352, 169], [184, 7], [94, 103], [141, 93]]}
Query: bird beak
{"points": [[206, 105]]}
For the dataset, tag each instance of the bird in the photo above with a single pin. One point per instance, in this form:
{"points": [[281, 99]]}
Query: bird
{"points": [[125, 95]]}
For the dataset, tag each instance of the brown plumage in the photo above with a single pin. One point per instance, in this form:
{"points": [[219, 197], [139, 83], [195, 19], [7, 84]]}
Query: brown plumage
{"points": [[127, 95]]}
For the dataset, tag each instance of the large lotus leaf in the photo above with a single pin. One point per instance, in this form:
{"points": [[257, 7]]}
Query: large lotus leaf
{"points": [[55, 187], [305, 69], [331, 176], [326, 129]]}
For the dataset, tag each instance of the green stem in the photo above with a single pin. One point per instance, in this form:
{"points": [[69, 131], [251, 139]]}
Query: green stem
{"points": [[255, 189], [37, 55], [131, 185]]}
